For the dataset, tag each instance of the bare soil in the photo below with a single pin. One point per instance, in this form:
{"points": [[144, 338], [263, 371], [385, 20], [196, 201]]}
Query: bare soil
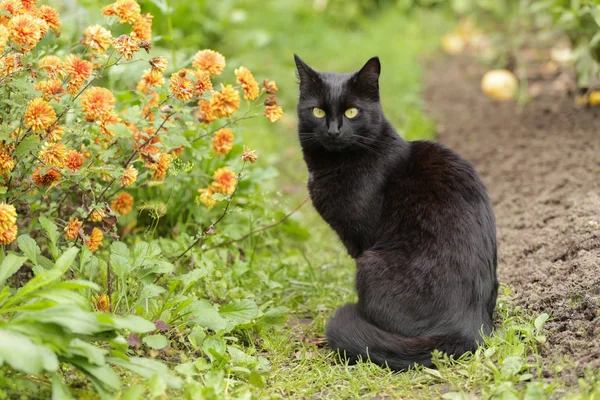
{"points": [[541, 165]]}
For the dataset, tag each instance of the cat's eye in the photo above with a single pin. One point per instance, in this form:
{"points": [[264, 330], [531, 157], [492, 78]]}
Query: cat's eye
{"points": [[351, 112], [317, 112]]}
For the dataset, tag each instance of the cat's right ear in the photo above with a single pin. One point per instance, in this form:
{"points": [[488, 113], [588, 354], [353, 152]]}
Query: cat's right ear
{"points": [[305, 74]]}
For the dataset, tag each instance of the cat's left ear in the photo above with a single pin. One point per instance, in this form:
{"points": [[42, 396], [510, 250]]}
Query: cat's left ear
{"points": [[367, 79]]}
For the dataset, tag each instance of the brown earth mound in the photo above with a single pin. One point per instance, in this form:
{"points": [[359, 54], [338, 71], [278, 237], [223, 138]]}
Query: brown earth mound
{"points": [[541, 164]]}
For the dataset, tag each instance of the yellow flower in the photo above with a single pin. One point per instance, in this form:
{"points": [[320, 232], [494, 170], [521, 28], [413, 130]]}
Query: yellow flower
{"points": [[10, 64], [270, 86], [13, 7], [126, 46], [97, 38], [42, 25], [95, 240], [52, 65], [224, 181], [204, 112], [224, 103], [181, 86], [142, 27], [209, 61], [96, 215], [40, 115], [122, 204], [97, 103], [51, 89], [8, 216], [273, 113], [79, 71], [203, 82], [160, 172], [29, 5], [150, 78], [222, 141], [74, 160], [249, 84], [249, 155], [46, 179], [9, 235], [205, 197], [24, 31], [3, 38], [53, 154], [54, 133], [6, 162], [127, 10], [72, 228], [51, 17], [158, 64], [101, 303], [129, 176]]}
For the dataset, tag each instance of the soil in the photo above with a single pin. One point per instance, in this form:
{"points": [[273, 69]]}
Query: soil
{"points": [[541, 165]]}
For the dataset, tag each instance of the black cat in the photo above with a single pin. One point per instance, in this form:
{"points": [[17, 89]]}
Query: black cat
{"points": [[414, 215]]}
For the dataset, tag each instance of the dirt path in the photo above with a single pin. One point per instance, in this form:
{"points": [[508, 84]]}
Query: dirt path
{"points": [[542, 168]]}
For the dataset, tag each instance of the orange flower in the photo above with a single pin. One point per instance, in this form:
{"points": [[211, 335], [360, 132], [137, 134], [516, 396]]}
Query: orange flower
{"points": [[101, 303], [127, 10], [224, 181], [129, 176], [160, 173], [96, 215], [53, 154], [224, 103], [181, 86], [222, 141], [209, 61], [158, 64], [52, 65], [25, 31], [142, 27], [97, 38], [3, 38], [203, 83], [29, 5], [147, 110], [6, 162], [46, 179], [51, 17], [122, 204], [249, 155], [204, 112], [74, 160], [150, 78], [126, 46], [97, 103], [206, 197], [13, 7], [40, 115], [72, 228], [270, 86], [10, 64], [8, 236], [79, 71], [249, 84], [8, 216], [51, 88], [273, 113], [95, 240], [54, 133]]}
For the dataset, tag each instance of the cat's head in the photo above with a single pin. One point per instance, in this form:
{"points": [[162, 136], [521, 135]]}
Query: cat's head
{"points": [[339, 112]]}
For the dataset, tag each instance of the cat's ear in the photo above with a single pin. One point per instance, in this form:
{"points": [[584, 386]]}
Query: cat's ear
{"points": [[367, 79], [306, 74]]}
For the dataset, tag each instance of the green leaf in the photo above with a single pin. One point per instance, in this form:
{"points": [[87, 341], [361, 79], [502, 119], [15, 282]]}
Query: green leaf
{"points": [[30, 143], [240, 311], [66, 259], [22, 354], [134, 392], [50, 228], [9, 266], [59, 390], [540, 321], [147, 368], [93, 354], [29, 247], [156, 342], [102, 374], [206, 316], [132, 323], [214, 348], [256, 379], [70, 317], [511, 366]]}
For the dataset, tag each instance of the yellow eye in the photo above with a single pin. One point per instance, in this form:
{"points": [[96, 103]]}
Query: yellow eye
{"points": [[317, 112], [351, 112]]}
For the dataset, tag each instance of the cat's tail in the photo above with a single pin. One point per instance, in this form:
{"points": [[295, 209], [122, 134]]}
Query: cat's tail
{"points": [[356, 339]]}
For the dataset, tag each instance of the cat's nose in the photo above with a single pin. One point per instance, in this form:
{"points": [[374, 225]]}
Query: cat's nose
{"points": [[333, 133]]}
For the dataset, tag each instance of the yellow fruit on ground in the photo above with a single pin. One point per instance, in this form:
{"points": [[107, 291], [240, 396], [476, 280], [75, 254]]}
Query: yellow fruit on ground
{"points": [[594, 98], [452, 43], [499, 84]]}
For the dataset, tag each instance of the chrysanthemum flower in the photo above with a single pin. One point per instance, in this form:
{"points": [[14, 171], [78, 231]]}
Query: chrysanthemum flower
{"points": [[209, 61], [95, 240], [249, 155], [24, 31], [224, 181], [8, 236], [270, 86], [50, 15], [51, 89], [46, 179], [54, 133], [6, 162], [97, 38], [128, 11], [203, 82], [72, 228], [181, 86], [3, 38], [224, 103], [79, 71], [158, 64], [97, 103], [142, 27], [52, 65], [126, 46], [273, 113], [43, 25], [206, 198], [101, 303], [11, 63], [222, 141], [249, 84], [74, 160], [129, 176], [53, 154], [147, 110], [96, 215], [29, 5], [204, 112], [8, 216], [13, 7], [177, 151], [40, 115], [122, 204], [160, 173], [150, 78]]}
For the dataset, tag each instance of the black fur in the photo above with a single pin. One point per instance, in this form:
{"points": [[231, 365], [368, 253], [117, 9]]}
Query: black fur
{"points": [[414, 215]]}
